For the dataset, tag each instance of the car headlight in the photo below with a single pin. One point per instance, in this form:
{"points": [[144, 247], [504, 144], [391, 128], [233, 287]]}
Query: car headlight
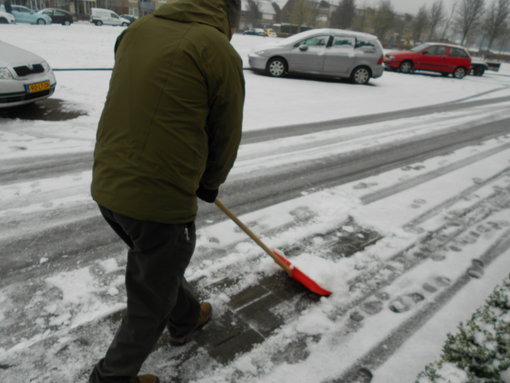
{"points": [[390, 57], [5, 74], [46, 66], [260, 53]]}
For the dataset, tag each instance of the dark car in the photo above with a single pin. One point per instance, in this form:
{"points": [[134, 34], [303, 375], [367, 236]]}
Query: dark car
{"points": [[436, 57], [59, 16], [255, 32], [131, 19], [479, 66]]}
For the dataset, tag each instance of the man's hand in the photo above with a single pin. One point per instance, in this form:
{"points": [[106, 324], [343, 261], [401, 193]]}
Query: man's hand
{"points": [[207, 195]]}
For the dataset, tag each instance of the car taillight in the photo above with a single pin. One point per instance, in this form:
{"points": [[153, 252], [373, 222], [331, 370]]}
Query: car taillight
{"points": [[380, 61]]}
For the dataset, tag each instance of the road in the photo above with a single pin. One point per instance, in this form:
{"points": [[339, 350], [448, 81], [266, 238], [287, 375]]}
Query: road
{"points": [[246, 192], [60, 237]]}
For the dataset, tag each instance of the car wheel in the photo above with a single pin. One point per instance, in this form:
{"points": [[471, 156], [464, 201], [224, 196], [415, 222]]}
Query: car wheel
{"points": [[277, 67], [98, 23], [3, 20], [124, 24], [41, 21], [459, 72], [66, 22], [361, 75], [478, 71], [406, 66]]}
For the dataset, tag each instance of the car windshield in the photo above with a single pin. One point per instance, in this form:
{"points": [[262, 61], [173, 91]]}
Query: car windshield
{"points": [[297, 37], [419, 47]]}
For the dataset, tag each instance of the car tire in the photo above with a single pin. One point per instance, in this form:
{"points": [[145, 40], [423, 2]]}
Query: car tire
{"points": [[41, 21], [3, 20], [98, 23], [361, 75], [459, 72], [276, 67], [406, 66], [478, 71], [66, 22], [124, 25]]}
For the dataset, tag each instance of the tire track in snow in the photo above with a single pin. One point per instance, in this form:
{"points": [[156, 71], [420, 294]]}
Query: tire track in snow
{"points": [[27, 168], [54, 240]]}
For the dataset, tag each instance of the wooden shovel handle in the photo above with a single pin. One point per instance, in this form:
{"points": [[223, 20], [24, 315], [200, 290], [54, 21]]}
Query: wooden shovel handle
{"points": [[252, 235]]}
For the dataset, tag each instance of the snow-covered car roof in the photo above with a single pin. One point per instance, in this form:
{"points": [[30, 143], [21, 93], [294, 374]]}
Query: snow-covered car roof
{"points": [[332, 31]]}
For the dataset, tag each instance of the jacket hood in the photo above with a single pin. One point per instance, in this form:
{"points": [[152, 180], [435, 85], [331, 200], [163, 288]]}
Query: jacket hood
{"points": [[210, 12]]}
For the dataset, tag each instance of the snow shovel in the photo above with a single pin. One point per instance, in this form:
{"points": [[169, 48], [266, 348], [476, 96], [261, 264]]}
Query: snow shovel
{"points": [[285, 264]]}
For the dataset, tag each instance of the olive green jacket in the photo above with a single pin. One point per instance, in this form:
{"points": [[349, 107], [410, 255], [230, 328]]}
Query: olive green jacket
{"points": [[173, 114]]}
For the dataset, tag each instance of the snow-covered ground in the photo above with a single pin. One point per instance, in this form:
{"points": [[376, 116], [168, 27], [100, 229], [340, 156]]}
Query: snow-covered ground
{"points": [[468, 188]]}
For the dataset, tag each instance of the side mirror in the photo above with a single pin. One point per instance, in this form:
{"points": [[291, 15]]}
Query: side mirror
{"points": [[303, 48]]}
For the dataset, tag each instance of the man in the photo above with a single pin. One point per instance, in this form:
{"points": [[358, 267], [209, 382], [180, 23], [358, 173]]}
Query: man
{"points": [[169, 132]]}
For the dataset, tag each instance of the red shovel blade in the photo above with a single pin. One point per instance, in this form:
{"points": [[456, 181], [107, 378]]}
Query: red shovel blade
{"points": [[302, 278]]}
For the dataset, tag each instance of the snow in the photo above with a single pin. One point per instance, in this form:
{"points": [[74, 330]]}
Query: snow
{"points": [[394, 204], [95, 50]]}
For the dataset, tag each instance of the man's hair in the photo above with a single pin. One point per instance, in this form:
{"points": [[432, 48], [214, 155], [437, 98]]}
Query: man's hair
{"points": [[233, 12]]}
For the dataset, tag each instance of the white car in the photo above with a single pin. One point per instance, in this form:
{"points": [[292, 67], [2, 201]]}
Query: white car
{"points": [[24, 77], [6, 18], [102, 16]]}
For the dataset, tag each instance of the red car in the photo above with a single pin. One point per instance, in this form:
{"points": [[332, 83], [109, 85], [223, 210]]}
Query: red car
{"points": [[436, 57]]}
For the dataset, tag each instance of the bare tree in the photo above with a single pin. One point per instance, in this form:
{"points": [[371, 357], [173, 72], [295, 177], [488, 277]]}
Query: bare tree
{"points": [[304, 12], [496, 21], [343, 16], [436, 17], [421, 21], [253, 13], [360, 21], [469, 16], [383, 20], [448, 22]]}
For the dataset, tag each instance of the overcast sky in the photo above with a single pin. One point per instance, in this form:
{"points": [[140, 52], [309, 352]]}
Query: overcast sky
{"points": [[409, 6]]}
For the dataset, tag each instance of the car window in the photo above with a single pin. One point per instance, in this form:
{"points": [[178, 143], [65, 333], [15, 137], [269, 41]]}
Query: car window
{"points": [[114, 16], [457, 52], [343, 42], [419, 48], [437, 50], [366, 45], [316, 41]]}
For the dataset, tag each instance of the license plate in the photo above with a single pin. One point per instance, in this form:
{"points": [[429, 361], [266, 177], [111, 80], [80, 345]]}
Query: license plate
{"points": [[38, 87]]}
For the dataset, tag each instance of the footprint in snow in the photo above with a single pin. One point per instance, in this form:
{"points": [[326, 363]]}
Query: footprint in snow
{"points": [[414, 229], [372, 307], [302, 214], [361, 375], [406, 302], [476, 270], [364, 185], [417, 203]]}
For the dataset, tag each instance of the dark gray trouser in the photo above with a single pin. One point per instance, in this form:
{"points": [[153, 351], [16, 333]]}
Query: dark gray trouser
{"points": [[158, 296]]}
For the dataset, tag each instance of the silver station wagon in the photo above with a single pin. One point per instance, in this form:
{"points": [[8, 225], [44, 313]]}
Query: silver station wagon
{"points": [[323, 52]]}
